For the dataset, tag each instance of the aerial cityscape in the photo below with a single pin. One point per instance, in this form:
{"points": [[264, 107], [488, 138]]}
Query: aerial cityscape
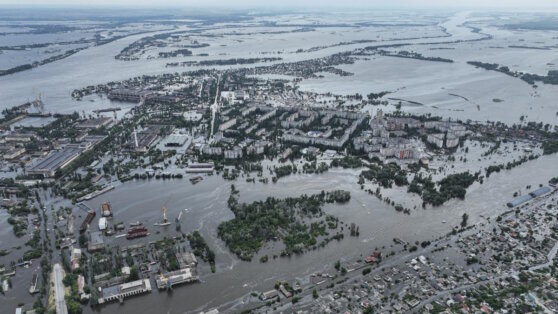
{"points": [[288, 157]]}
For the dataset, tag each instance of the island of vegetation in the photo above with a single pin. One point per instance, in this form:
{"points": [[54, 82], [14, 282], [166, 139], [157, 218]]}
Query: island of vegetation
{"points": [[297, 221]]}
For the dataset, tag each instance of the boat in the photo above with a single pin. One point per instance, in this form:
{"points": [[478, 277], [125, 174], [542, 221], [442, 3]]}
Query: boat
{"points": [[161, 224], [135, 224], [106, 209], [90, 215], [443, 221], [136, 232], [196, 179], [33, 288]]}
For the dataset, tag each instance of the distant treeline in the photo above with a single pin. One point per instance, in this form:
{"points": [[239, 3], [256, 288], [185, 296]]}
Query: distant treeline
{"points": [[224, 62], [413, 55], [550, 78], [29, 66]]}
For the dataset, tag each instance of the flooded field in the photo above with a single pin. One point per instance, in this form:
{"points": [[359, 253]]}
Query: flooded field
{"points": [[429, 83]]}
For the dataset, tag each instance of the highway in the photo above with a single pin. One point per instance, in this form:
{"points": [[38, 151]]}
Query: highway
{"points": [[59, 290]]}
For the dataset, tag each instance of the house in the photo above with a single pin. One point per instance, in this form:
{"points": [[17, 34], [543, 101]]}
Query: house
{"points": [[75, 256], [270, 294]]}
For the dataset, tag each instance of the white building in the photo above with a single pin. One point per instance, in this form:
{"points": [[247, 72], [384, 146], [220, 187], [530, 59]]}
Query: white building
{"points": [[452, 140], [436, 139], [226, 125], [235, 97]]}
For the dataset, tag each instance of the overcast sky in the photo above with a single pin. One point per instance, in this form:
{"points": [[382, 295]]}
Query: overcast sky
{"points": [[526, 4]]}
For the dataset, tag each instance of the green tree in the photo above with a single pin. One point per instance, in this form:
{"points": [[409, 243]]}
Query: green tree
{"points": [[134, 274], [82, 240]]}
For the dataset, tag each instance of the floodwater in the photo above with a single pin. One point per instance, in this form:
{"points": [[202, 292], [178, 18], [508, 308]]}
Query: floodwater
{"points": [[429, 83], [379, 223]]}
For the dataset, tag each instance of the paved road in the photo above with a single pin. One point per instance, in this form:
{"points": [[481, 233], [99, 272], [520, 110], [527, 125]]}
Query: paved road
{"points": [[59, 290], [215, 108], [550, 257]]}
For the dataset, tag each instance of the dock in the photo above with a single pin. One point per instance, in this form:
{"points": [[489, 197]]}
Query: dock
{"points": [[95, 194]]}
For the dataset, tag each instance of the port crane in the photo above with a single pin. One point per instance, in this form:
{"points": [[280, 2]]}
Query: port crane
{"points": [[180, 216], [165, 221]]}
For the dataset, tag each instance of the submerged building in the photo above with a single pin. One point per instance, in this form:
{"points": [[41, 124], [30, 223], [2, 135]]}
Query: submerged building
{"points": [[122, 291], [527, 197]]}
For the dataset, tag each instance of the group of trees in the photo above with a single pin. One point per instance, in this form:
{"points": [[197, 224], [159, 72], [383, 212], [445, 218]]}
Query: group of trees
{"points": [[272, 219], [347, 162], [385, 175], [510, 165], [283, 171], [551, 77], [201, 249], [452, 186]]}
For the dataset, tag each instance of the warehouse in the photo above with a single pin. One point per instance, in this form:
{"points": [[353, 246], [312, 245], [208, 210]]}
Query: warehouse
{"points": [[527, 197], [56, 160], [119, 292]]}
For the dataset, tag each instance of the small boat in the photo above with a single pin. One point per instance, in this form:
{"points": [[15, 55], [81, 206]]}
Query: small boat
{"points": [[443, 221], [196, 179], [135, 224], [161, 224]]}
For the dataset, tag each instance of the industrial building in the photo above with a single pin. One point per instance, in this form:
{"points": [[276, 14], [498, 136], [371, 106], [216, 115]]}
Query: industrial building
{"points": [[187, 260], [123, 94], [527, 197], [96, 242], [182, 276], [56, 160], [95, 124], [19, 137], [175, 140], [142, 141], [119, 292]]}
